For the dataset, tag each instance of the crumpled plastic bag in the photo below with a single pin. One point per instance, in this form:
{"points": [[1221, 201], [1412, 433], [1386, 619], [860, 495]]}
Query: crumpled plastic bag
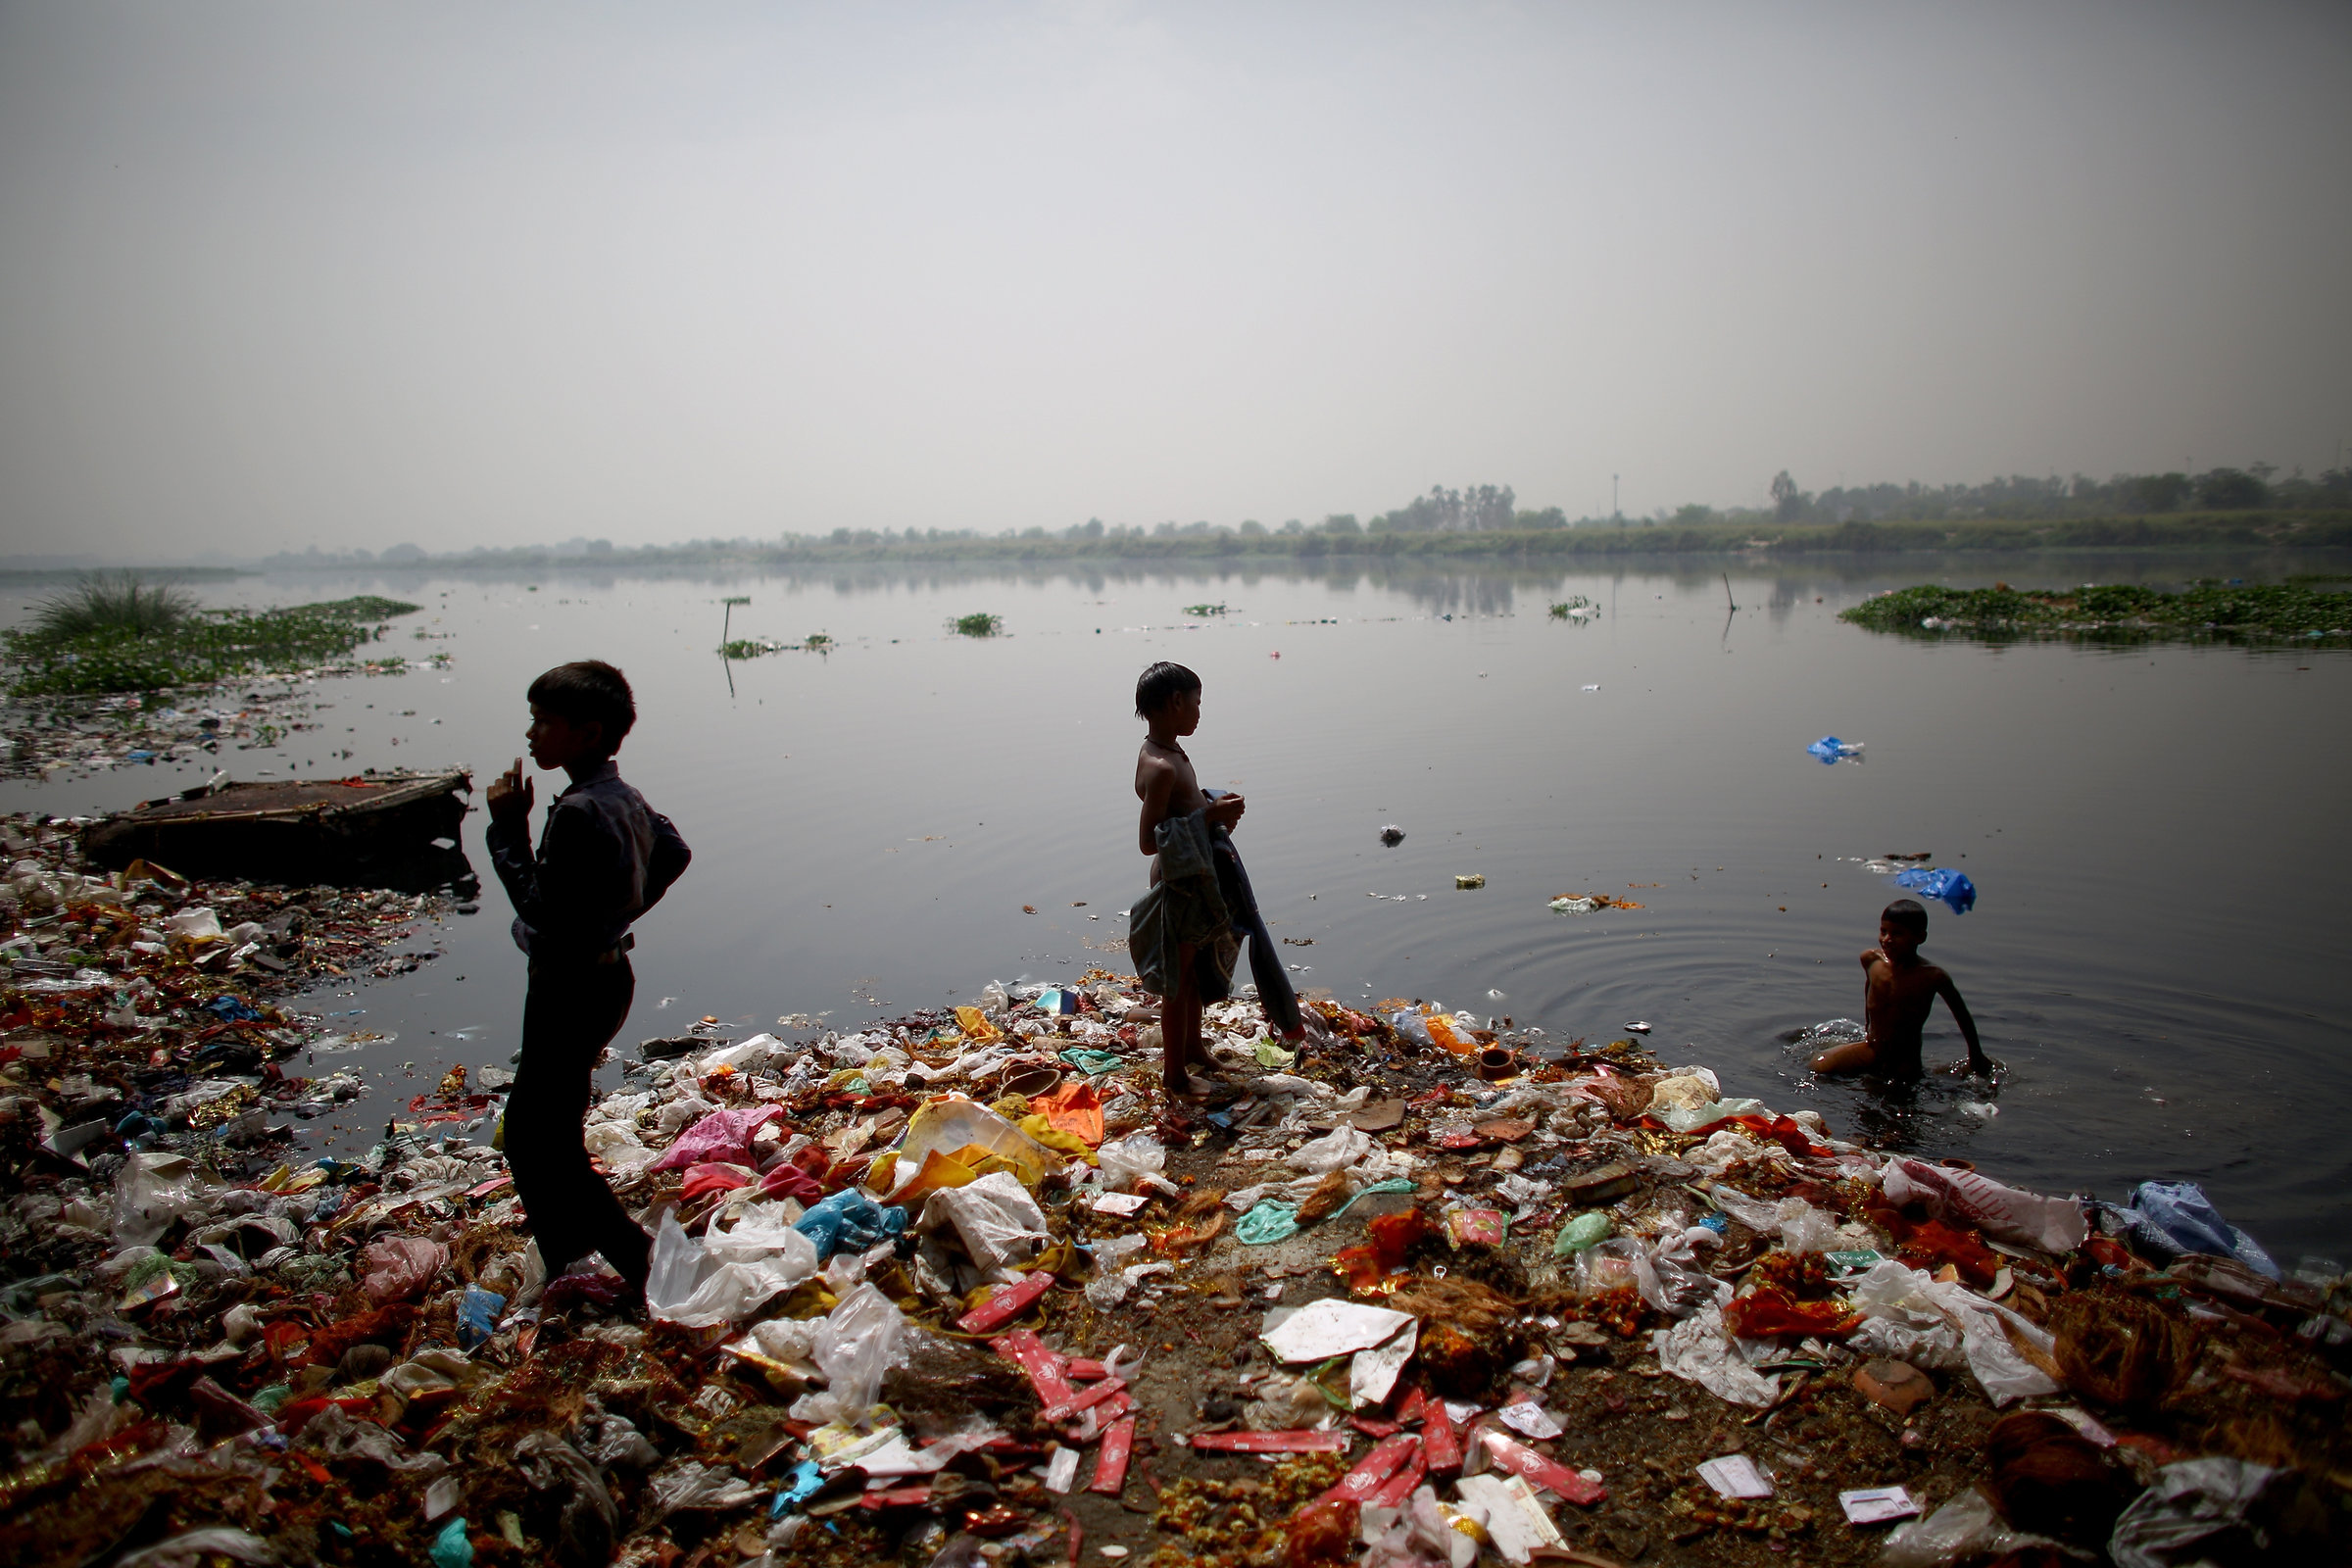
{"points": [[1690, 1119], [691, 1484], [195, 1547], [1000, 1224], [860, 1339], [1343, 1146], [849, 1221], [1910, 1316], [2170, 1218], [397, 1267], [2195, 1513], [333, 1433], [1804, 1228], [2004, 1213], [692, 1284], [1133, 1163], [724, 1135], [431, 1370], [587, 1516], [948, 1125], [1964, 1530], [150, 1191], [1697, 1350]]}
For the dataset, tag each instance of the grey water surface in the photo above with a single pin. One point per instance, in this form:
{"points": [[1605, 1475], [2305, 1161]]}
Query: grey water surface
{"points": [[2156, 832]]}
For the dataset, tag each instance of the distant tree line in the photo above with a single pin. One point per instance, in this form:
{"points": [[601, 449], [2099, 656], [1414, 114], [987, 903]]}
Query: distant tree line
{"points": [[2215, 506]]}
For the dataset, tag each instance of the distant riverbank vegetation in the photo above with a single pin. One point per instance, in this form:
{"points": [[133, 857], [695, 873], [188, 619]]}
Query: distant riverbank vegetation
{"points": [[120, 633], [2236, 507], [2299, 607]]}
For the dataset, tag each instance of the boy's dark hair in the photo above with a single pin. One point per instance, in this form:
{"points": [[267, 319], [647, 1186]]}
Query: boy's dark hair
{"points": [[589, 691], [1161, 684], [1908, 913]]}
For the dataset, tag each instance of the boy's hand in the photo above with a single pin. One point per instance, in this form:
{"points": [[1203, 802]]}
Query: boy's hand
{"points": [[508, 797], [1225, 810]]}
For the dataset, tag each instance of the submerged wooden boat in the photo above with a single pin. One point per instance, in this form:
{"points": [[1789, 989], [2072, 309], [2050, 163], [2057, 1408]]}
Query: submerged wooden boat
{"points": [[294, 830]]}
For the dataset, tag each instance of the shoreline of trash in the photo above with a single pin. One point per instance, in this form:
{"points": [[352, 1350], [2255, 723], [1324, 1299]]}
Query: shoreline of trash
{"points": [[965, 1287]]}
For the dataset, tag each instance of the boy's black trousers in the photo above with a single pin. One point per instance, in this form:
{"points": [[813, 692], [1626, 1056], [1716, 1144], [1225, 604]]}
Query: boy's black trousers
{"points": [[573, 1011]]}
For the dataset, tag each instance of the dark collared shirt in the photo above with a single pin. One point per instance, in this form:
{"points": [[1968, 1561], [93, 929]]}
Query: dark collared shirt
{"points": [[603, 859]]}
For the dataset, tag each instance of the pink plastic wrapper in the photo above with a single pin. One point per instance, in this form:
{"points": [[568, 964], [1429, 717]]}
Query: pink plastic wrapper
{"points": [[1024, 1349], [1007, 1304], [1397, 1488], [1475, 1227], [723, 1135], [1110, 1463], [1270, 1441], [2004, 1213], [1387, 1457], [1064, 1409], [399, 1267], [1522, 1461]]}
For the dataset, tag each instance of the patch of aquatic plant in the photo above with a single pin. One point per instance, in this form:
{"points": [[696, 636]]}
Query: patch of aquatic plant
{"points": [[817, 642], [747, 647], [1575, 607], [980, 625], [137, 649], [1203, 609], [2207, 609], [113, 601]]}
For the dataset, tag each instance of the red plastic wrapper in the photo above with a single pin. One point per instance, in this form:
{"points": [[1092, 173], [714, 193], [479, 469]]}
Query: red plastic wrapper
{"points": [[1441, 1445], [1413, 1405], [1320, 1532], [1270, 1441], [896, 1497], [1374, 1428], [1067, 1408], [1936, 1242], [1397, 1488], [1083, 1370], [1024, 1349], [1770, 1311], [1387, 1457], [1521, 1460], [1110, 1462], [1367, 1266], [1009, 1301]]}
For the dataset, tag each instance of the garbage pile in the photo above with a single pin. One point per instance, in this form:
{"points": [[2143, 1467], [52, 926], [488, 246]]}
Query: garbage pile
{"points": [[137, 1012], [1418, 1291], [69, 737]]}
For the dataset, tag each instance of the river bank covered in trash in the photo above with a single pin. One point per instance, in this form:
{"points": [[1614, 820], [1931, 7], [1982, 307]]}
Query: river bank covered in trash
{"points": [[965, 1287]]}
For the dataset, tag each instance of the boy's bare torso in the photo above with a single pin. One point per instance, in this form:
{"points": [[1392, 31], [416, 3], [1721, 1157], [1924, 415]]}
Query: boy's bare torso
{"points": [[1164, 773], [1895, 1003]]}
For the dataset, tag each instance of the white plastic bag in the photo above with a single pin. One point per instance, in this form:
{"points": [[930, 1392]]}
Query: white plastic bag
{"points": [[692, 1286], [860, 1340], [1804, 1228], [150, 1191], [1343, 1146], [2004, 1213], [1000, 1224], [1909, 1300], [1964, 1530], [1132, 1162], [1697, 1349]]}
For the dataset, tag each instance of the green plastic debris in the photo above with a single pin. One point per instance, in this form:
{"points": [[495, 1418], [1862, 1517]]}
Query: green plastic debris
{"points": [[1395, 1184], [1272, 1056], [1091, 1062], [451, 1548], [1271, 1221], [1589, 1229]]}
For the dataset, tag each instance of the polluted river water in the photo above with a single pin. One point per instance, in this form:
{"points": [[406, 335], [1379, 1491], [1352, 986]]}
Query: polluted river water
{"points": [[892, 823]]}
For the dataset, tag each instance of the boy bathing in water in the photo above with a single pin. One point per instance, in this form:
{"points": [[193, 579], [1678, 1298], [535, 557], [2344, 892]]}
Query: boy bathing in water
{"points": [[1189, 924], [1899, 992]]}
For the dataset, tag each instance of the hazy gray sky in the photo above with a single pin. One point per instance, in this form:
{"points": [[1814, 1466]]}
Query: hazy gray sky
{"points": [[278, 275]]}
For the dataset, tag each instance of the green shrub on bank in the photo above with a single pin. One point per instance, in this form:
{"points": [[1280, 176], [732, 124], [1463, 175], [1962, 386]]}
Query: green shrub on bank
{"points": [[116, 640], [2208, 608]]}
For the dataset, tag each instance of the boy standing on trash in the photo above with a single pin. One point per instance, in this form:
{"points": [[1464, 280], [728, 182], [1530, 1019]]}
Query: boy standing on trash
{"points": [[1184, 934], [1899, 992], [605, 858]]}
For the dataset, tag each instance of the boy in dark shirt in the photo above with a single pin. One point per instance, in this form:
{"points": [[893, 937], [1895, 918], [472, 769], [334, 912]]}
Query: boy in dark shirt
{"points": [[1899, 992], [603, 859]]}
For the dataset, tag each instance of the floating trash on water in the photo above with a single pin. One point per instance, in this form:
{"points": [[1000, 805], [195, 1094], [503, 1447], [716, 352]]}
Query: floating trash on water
{"points": [[1391, 835]]}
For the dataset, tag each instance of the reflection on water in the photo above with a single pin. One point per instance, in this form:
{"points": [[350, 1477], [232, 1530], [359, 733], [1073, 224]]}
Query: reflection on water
{"points": [[2151, 952]]}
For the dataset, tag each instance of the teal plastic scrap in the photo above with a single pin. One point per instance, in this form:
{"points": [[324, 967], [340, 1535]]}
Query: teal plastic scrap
{"points": [[451, 1548]]}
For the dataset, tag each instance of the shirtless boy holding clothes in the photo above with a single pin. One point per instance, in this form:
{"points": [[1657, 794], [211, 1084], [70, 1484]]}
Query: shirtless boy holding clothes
{"points": [[1185, 932], [1899, 992]]}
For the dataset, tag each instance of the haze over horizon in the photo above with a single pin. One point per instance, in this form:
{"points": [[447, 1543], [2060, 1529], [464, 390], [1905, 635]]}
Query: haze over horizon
{"points": [[273, 276]]}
